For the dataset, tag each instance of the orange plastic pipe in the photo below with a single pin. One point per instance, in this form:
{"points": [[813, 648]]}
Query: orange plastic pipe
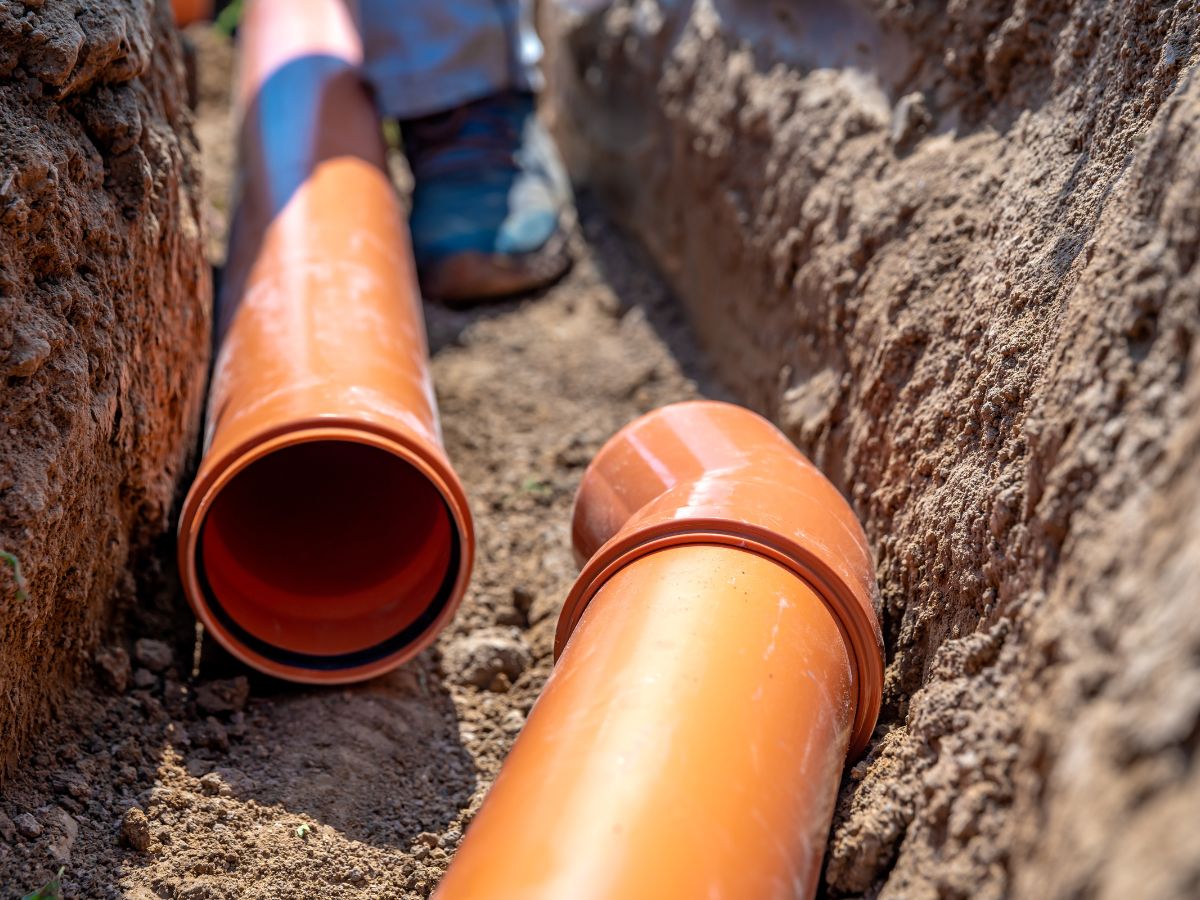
{"points": [[719, 656], [189, 11], [326, 537]]}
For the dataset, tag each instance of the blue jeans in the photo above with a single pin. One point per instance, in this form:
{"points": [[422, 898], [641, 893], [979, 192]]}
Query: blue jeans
{"points": [[428, 56]]}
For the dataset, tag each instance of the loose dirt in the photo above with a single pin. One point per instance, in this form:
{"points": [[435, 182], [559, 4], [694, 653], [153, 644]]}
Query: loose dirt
{"points": [[159, 780]]}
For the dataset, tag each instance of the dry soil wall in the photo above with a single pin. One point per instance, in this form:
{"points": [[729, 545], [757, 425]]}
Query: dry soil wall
{"points": [[103, 325], [952, 248]]}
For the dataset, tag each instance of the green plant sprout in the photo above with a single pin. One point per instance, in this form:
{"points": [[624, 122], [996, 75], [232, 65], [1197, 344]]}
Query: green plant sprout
{"points": [[12, 560], [229, 18], [51, 890], [535, 486]]}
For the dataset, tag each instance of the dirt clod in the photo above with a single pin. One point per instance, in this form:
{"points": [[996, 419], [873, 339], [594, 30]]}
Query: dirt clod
{"points": [[113, 665], [483, 659], [221, 697], [135, 829], [211, 734], [64, 830], [910, 120], [214, 785], [27, 825], [156, 656]]}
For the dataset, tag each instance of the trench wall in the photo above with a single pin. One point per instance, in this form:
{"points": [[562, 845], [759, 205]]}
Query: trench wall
{"points": [[104, 324], [952, 249]]}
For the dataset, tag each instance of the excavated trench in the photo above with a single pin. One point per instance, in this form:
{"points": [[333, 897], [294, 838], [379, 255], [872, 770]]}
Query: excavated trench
{"points": [[904, 237]]}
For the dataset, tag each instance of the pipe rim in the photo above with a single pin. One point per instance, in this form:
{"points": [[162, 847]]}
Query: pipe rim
{"points": [[421, 455], [859, 630]]}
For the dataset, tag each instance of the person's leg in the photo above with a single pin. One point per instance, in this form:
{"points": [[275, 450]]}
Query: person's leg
{"points": [[427, 57], [491, 204]]}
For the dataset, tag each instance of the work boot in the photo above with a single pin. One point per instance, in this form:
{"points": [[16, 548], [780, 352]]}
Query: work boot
{"points": [[491, 202]]}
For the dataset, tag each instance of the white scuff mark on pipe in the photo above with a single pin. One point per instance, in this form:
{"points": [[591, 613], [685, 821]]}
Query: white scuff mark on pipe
{"points": [[782, 608]]}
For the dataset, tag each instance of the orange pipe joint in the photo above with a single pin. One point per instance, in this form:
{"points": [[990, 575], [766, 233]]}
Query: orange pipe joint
{"points": [[718, 658], [326, 537]]}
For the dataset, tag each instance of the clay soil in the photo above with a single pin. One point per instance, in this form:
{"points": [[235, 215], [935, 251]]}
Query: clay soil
{"points": [[174, 773]]}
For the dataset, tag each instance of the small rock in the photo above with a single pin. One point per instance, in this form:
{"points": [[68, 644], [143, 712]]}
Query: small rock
{"points": [[478, 658], [522, 598], [135, 829], [513, 721], [356, 876], [223, 696], [510, 615], [211, 734], [144, 678], [212, 785], [576, 455], [27, 355], [128, 751], [112, 664], [527, 608], [151, 707], [910, 120], [196, 890], [499, 684], [156, 656], [66, 829], [224, 782], [237, 725], [428, 838], [73, 785], [27, 826], [8, 830]]}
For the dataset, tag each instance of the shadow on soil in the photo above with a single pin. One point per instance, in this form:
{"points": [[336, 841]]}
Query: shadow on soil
{"points": [[379, 762], [632, 277]]}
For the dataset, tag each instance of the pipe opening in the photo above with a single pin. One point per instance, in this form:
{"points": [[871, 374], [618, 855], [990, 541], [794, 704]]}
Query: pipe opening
{"points": [[328, 554]]}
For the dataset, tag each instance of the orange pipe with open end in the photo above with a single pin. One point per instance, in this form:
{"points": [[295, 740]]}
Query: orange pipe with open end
{"points": [[719, 656], [326, 538]]}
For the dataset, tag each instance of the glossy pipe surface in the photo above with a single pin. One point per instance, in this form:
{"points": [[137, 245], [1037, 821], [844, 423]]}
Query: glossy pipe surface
{"points": [[709, 472], [326, 538], [718, 656], [678, 749]]}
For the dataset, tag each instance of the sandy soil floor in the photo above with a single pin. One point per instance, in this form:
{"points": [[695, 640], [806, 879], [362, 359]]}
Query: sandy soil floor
{"points": [[179, 775]]}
